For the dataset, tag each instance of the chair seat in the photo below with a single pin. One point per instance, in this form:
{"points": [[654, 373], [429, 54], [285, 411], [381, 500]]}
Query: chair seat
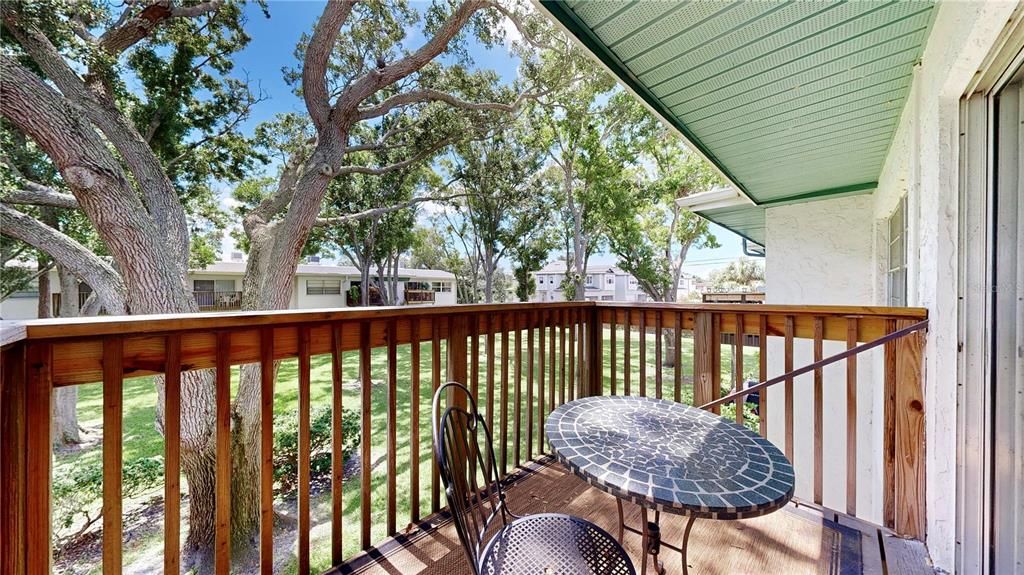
{"points": [[554, 544]]}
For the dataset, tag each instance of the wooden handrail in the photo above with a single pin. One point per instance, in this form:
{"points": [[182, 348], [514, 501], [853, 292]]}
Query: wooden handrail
{"points": [[921, 325]]}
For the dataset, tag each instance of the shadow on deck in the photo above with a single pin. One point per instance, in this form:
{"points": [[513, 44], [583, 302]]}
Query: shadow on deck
{"points": [[797, 539]]}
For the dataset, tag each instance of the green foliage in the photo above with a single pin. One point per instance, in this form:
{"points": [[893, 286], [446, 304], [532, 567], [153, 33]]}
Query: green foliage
{"points": [[741, 275], [78, 491], [647, 230], [286, 444]]}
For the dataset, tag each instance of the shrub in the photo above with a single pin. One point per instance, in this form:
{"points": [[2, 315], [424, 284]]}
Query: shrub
{"points": [[286, 444], [76, 494]]}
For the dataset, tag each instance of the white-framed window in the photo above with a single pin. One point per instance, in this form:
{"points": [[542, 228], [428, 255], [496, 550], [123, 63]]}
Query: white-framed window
{"points": [[590, 281], [443, 287], [607, 298], [610, 280], [213, 285], [896, 273], [540, 280], [323, 287]]}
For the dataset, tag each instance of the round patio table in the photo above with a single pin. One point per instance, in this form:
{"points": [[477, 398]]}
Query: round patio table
{"points": [[671, 458]]}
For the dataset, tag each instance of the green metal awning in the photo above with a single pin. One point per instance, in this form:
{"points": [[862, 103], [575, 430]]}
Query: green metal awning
{"points": [[792, 101]]}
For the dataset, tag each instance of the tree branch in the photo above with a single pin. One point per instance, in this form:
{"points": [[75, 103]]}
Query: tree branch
{"points": [[40, 195], [374, 212], [318, 53], [78, 259], [130, 29]]}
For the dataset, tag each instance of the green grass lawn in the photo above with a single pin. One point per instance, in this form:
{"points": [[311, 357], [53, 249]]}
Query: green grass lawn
{"points": [[141, 438]]}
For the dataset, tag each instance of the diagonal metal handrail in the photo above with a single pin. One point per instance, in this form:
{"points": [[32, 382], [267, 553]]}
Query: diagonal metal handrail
{"points": [[820, 363]]}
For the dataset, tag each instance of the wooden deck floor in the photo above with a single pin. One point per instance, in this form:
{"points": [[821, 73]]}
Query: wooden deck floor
{"points": [[797, 539]]}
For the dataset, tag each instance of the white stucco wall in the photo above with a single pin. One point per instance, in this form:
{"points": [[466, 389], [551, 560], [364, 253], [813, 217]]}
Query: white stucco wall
{"points": [[923, 164], [821, 253]]}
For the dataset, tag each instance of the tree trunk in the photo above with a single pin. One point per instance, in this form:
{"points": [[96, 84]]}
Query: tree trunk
{"points": [[65, 399]]}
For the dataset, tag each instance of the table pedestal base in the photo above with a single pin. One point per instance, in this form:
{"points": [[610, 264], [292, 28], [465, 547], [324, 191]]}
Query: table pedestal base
{"points": [[651, 542]]}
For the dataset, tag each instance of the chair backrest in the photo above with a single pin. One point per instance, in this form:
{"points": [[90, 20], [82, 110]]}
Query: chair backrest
{"points": [[468, 470]]}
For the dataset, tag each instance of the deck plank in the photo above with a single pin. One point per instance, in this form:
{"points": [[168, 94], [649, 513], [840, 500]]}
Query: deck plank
{"points": [[798, 539]]}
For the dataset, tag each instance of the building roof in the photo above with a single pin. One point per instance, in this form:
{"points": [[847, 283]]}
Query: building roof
{"points": [[238, 268], [791, 101]]}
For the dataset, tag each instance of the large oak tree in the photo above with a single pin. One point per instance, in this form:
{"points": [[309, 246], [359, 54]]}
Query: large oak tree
{"points": [[129, 159]]}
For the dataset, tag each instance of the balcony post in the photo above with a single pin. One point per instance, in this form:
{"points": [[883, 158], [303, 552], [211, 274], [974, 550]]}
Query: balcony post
{"points": [[12, 460], [909, 442], [458, 332], [703, 359]]}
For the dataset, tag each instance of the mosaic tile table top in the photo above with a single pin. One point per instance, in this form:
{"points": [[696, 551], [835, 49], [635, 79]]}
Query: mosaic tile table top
{"points": [[670, 457]]}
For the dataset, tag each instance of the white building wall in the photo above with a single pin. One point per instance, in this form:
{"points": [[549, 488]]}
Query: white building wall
{"points": [[821, 253]]}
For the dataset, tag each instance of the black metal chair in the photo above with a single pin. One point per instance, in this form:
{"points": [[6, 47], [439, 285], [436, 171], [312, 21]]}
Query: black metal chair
{"points": [[541, 544]]}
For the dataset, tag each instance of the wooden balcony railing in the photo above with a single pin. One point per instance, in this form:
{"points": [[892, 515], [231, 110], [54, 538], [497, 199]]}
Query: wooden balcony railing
{"points": [[520, 360]]}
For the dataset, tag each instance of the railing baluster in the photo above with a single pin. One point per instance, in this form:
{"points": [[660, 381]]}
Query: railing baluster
{"points": [[337, 443], [762, 360], [819, 334], [643, 353], [531, 322], [517, 418], [366, 406], [678, 358], [474, 356], [172, 454], [627, 344], [414, 424], [571, 392], [612, 360], [552, 361], [851, 419], [788, 367], [563, 314], [113, 439], [716, 359], [391, 505], [541, 367], [889, 431], [222, 492], [737, 359], [305, 471], [504, 394], [435, 383], [657, 354], [490, 372]]}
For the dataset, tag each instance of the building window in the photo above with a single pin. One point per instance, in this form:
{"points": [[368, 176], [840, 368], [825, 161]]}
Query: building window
{"points": [[897, 270], [590, 281], [443, 287], [417, 286], [213, 285], [607, 298], [540, 280], [323, 287], [611, 280]]}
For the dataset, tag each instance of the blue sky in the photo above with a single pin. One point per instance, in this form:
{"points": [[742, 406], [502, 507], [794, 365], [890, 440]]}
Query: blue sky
{"points": [[272, 48]]}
